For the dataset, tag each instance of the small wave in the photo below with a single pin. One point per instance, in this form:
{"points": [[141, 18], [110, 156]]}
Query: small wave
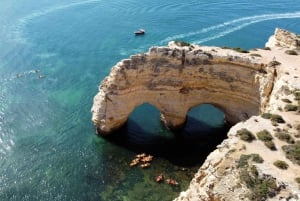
{"points": [[25, 20], [220, 30]]}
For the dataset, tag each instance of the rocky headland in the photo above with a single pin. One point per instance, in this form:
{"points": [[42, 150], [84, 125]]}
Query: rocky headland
{"points": [[258, 91]]}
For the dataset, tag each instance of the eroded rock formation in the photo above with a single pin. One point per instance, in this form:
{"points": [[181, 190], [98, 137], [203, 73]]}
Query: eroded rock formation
{"points": [[284, 38], [176, 78], [221, 177]]}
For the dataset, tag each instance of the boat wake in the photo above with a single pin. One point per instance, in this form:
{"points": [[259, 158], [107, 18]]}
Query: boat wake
{"points": [[201, 36], [221, 30]]}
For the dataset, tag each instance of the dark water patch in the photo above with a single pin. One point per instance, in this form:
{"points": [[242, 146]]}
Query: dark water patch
{"points": [[177, 155], [188, 146], [184, 148]]}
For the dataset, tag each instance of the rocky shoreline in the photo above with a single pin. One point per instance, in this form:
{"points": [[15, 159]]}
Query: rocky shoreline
{"points": [[258, 91], [276, 175]]}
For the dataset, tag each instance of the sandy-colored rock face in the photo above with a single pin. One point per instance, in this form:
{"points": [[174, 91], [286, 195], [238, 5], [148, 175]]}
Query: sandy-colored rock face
{"points": [[284, 38], [174, 79], [219, 178]]}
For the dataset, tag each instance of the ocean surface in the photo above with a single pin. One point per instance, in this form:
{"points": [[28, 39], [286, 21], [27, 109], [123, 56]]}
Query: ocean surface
{"points": [[53, 56]]}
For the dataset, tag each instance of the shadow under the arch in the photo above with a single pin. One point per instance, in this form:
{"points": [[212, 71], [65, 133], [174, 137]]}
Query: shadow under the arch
{"points": [[186, 147]]}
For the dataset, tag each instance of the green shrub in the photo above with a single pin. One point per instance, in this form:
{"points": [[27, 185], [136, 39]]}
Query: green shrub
{"points": [[265, 187], [274, 117], [243, 161], [267, 48], [255, 55], [264, 135], [297, 180], [267, 138], [277, 118], [238, 49], [270, 145], [261, 187], [297, 95], [266, 115], [245, 135], [291, 52], [292, 152], [247, 178], [281, 164], [182, 43], [257, 158], [290, 107], [286, 100], [284, 136]]}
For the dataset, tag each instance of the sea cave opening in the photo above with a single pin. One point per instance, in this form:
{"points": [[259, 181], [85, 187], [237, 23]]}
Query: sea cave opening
{"points": [[204, 129]]}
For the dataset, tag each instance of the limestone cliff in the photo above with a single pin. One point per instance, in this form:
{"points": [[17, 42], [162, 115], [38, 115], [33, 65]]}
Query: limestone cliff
{"points": [[222, 177], [284, 38], [243, 85], [176, 78]]}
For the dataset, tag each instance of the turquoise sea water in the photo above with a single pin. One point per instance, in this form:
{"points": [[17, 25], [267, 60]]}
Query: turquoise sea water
{"points": [[48, 150]]}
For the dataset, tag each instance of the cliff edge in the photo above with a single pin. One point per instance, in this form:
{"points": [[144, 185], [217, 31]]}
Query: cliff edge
{"points": [[181, 76], [260, 158], [258, 91]]}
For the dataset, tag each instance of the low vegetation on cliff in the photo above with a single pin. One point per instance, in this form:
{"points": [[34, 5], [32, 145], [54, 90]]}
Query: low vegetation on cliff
{"points": [[182, 43], [281, 164], [291, 52], [261, 186], [267, 138], [285, 136], [273, 117], [292, 152], [246, 165], [246, 135], [238, 49]]}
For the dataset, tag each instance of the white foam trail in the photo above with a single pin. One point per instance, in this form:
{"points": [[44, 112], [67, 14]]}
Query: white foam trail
{"points": [[220, 30], [25, 20]]}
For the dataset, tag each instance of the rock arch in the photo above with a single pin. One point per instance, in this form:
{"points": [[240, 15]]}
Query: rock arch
{"points": [[176, 78]]}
